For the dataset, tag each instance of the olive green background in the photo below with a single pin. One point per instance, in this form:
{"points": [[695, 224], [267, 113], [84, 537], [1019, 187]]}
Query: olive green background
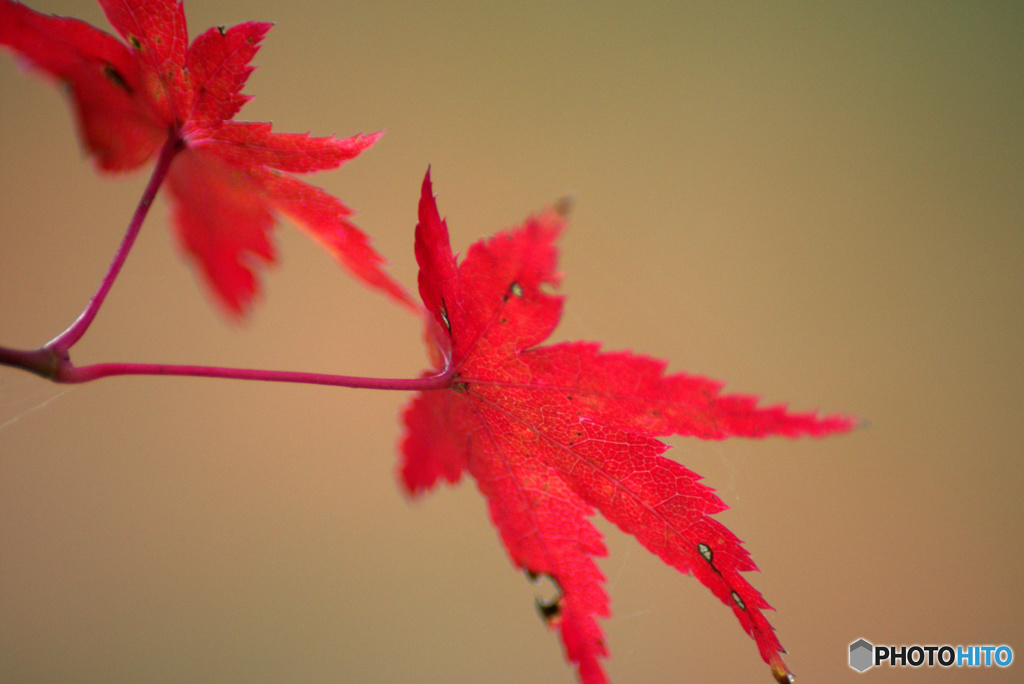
{"points": [[819, 203]]}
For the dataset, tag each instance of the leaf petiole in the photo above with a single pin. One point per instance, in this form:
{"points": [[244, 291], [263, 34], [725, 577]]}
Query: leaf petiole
{"points": [[53, 359], [67, 339], [69, 373]]}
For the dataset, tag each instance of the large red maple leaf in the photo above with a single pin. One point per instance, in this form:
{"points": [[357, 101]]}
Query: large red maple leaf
{"points": [[551, 433], [232, 177]]}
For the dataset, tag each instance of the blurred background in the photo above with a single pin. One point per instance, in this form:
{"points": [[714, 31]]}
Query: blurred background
{"points": [[819, 205]]}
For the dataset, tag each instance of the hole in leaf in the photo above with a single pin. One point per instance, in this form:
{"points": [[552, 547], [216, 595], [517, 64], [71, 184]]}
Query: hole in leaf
{"points": [[444, 317], [549, 607], [705, 551]]}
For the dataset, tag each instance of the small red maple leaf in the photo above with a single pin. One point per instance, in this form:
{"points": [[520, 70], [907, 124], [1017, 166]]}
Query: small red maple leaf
{"points": [[551, 433], [232, 178]]}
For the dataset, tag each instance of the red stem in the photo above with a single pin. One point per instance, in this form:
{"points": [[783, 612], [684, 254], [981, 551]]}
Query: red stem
{"points": [[68, 373], [67, 339], [53, 360]]}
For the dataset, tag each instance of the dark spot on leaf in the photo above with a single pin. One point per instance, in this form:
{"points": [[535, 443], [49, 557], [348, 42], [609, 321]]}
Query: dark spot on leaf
{"points": [[222, 29], [460, 387], [738, 601], [135, 42], [115, 77]]}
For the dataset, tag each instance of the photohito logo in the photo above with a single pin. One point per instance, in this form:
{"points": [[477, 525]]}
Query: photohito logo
{"points": [[864, 655]]}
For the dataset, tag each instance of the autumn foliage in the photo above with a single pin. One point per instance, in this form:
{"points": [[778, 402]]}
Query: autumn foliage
{"points": [[231, 178], [551, 434]]}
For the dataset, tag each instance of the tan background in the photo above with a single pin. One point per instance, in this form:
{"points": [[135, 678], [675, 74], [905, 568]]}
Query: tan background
{"points": [[820, 204]]}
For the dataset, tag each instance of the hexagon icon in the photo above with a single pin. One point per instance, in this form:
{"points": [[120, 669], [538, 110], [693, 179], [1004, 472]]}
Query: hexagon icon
{"points": [[861, 655]]}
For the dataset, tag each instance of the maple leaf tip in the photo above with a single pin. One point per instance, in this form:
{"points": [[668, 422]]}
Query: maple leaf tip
{"points": [[781, 672], [564, 205], [427, 190], [841, 423]]}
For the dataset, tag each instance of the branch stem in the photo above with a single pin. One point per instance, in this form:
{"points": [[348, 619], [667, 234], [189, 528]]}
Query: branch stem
{"points": [[53, 360]]}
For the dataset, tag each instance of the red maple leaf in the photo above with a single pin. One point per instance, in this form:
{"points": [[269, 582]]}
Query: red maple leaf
{"points": [[551, 433], [227, 183]]}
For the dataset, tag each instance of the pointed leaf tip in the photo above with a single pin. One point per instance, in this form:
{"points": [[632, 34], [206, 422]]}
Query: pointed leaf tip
{"points": [[563, 206], [781, 672], [438, 277]]}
